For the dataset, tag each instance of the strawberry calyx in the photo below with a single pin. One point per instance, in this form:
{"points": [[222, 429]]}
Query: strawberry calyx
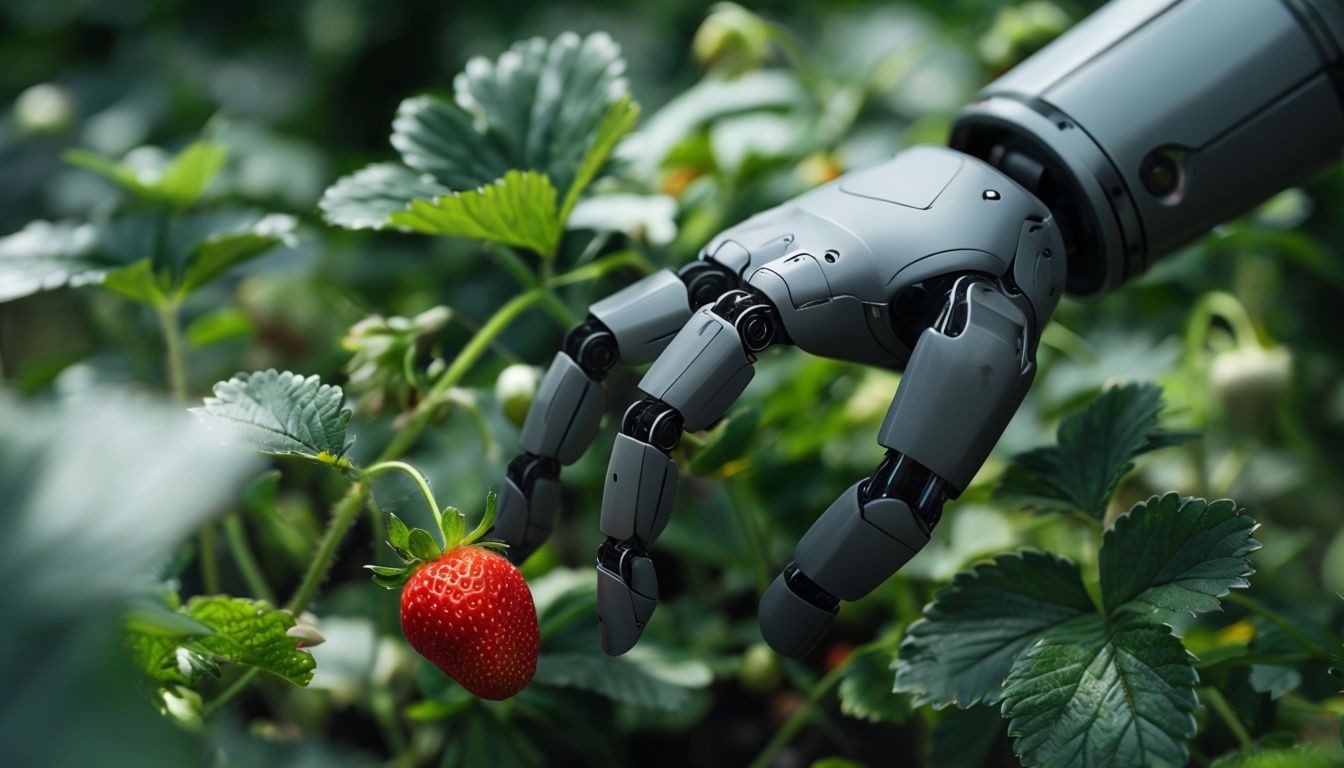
{"points": [[417, 546]]}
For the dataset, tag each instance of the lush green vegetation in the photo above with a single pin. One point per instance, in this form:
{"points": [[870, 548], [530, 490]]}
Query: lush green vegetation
{"points": [[202, 211]]}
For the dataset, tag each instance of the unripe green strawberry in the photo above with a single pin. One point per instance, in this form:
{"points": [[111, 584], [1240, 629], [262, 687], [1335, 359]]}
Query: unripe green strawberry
{"points": [[471, 614]]}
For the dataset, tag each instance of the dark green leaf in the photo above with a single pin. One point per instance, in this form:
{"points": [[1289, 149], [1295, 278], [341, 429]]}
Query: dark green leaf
{"points": [[518, 209], [1176, 554], [1096, 694], [1274, 679], [366, 198], [640, 678], [282, 413], [252, 633], [539, 106], [422, 545], [616, 123], [964, 646], [480, 740], [213, 257], [867, 689], [965, 737], [1096, 448]]}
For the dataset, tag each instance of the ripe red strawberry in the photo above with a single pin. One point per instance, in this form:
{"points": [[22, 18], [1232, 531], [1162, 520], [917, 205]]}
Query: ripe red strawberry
{"points": [[468, 611], [471, 614]]}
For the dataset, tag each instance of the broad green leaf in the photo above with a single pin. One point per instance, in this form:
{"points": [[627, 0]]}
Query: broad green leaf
{"points": [[137, 283], [252, 633], [867, 689], [966, 736], [478, 739], [366, 198], [227, 323], [214, 256], [1096, 448], [518, 209], [180, 181], [282, 413], [1095, 694], [964, 646], [1176, 554], [1274, 679], [540, 106], [639, 678], [44, 256], [616, 123]]}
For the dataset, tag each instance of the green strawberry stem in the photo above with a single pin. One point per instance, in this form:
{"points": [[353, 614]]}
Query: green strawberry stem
{"points": [[388, 466]]}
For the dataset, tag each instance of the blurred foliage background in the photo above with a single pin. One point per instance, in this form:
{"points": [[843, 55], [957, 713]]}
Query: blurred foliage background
{"points": [[1241, 329]]}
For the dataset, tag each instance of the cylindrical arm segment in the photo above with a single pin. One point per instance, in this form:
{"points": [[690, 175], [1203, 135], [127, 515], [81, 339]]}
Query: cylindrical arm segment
{"points": [[1153, 120]]}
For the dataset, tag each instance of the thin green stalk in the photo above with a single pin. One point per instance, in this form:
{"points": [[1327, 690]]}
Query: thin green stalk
{"points": [[513, 264], [229, 693], [209, 563], [244, 559], [800, 716], [420, 481], [174, 357], [1214, 698], [342, 517]]}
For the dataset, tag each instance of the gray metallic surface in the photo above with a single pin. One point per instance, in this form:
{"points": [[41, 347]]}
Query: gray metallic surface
{"points": [[645, 315], [525, 523], [702, 371], [566, 413], [641, 486], [1210, 83], [848, 555], [622, 611], [790, 624], [959, 392]]}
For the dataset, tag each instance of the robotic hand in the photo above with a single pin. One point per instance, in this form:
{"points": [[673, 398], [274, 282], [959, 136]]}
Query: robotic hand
{"points": [[1144, 126]]}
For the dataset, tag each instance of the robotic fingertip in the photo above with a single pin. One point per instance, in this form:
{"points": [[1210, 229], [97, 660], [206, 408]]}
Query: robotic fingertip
{"points": [[790, 623]]}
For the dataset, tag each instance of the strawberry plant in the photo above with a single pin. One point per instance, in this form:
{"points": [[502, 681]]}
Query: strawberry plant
{"points": [[361, 244]]}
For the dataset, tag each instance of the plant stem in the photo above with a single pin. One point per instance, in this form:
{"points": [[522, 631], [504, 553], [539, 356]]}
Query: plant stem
{"points": [[174, 359], [243, 558], [1214, 698], [342, 517], [745, 511], [401, 466], [233, 690], [790, 727]]}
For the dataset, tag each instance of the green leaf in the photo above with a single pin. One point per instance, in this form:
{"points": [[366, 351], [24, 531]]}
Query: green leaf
{"points": [[964, 646], [1096, 448], [867, 689], [366, 198], [487, 520], [1176, 554], [422, 546], [221, 252], [540, 106], [389, 577], [966, 736], [181, 181], [518, 209], [220, 325], [190, 173], [252, 633], [1274, 679], [616, 123], [640, 678], [398, 535], [282, 413], [44, 256], [1099, 694], [137, 283], [454, 527]]}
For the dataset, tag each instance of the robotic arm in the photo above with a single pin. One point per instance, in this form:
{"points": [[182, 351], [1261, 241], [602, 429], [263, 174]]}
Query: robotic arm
{"points": [[1141, 128]]}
